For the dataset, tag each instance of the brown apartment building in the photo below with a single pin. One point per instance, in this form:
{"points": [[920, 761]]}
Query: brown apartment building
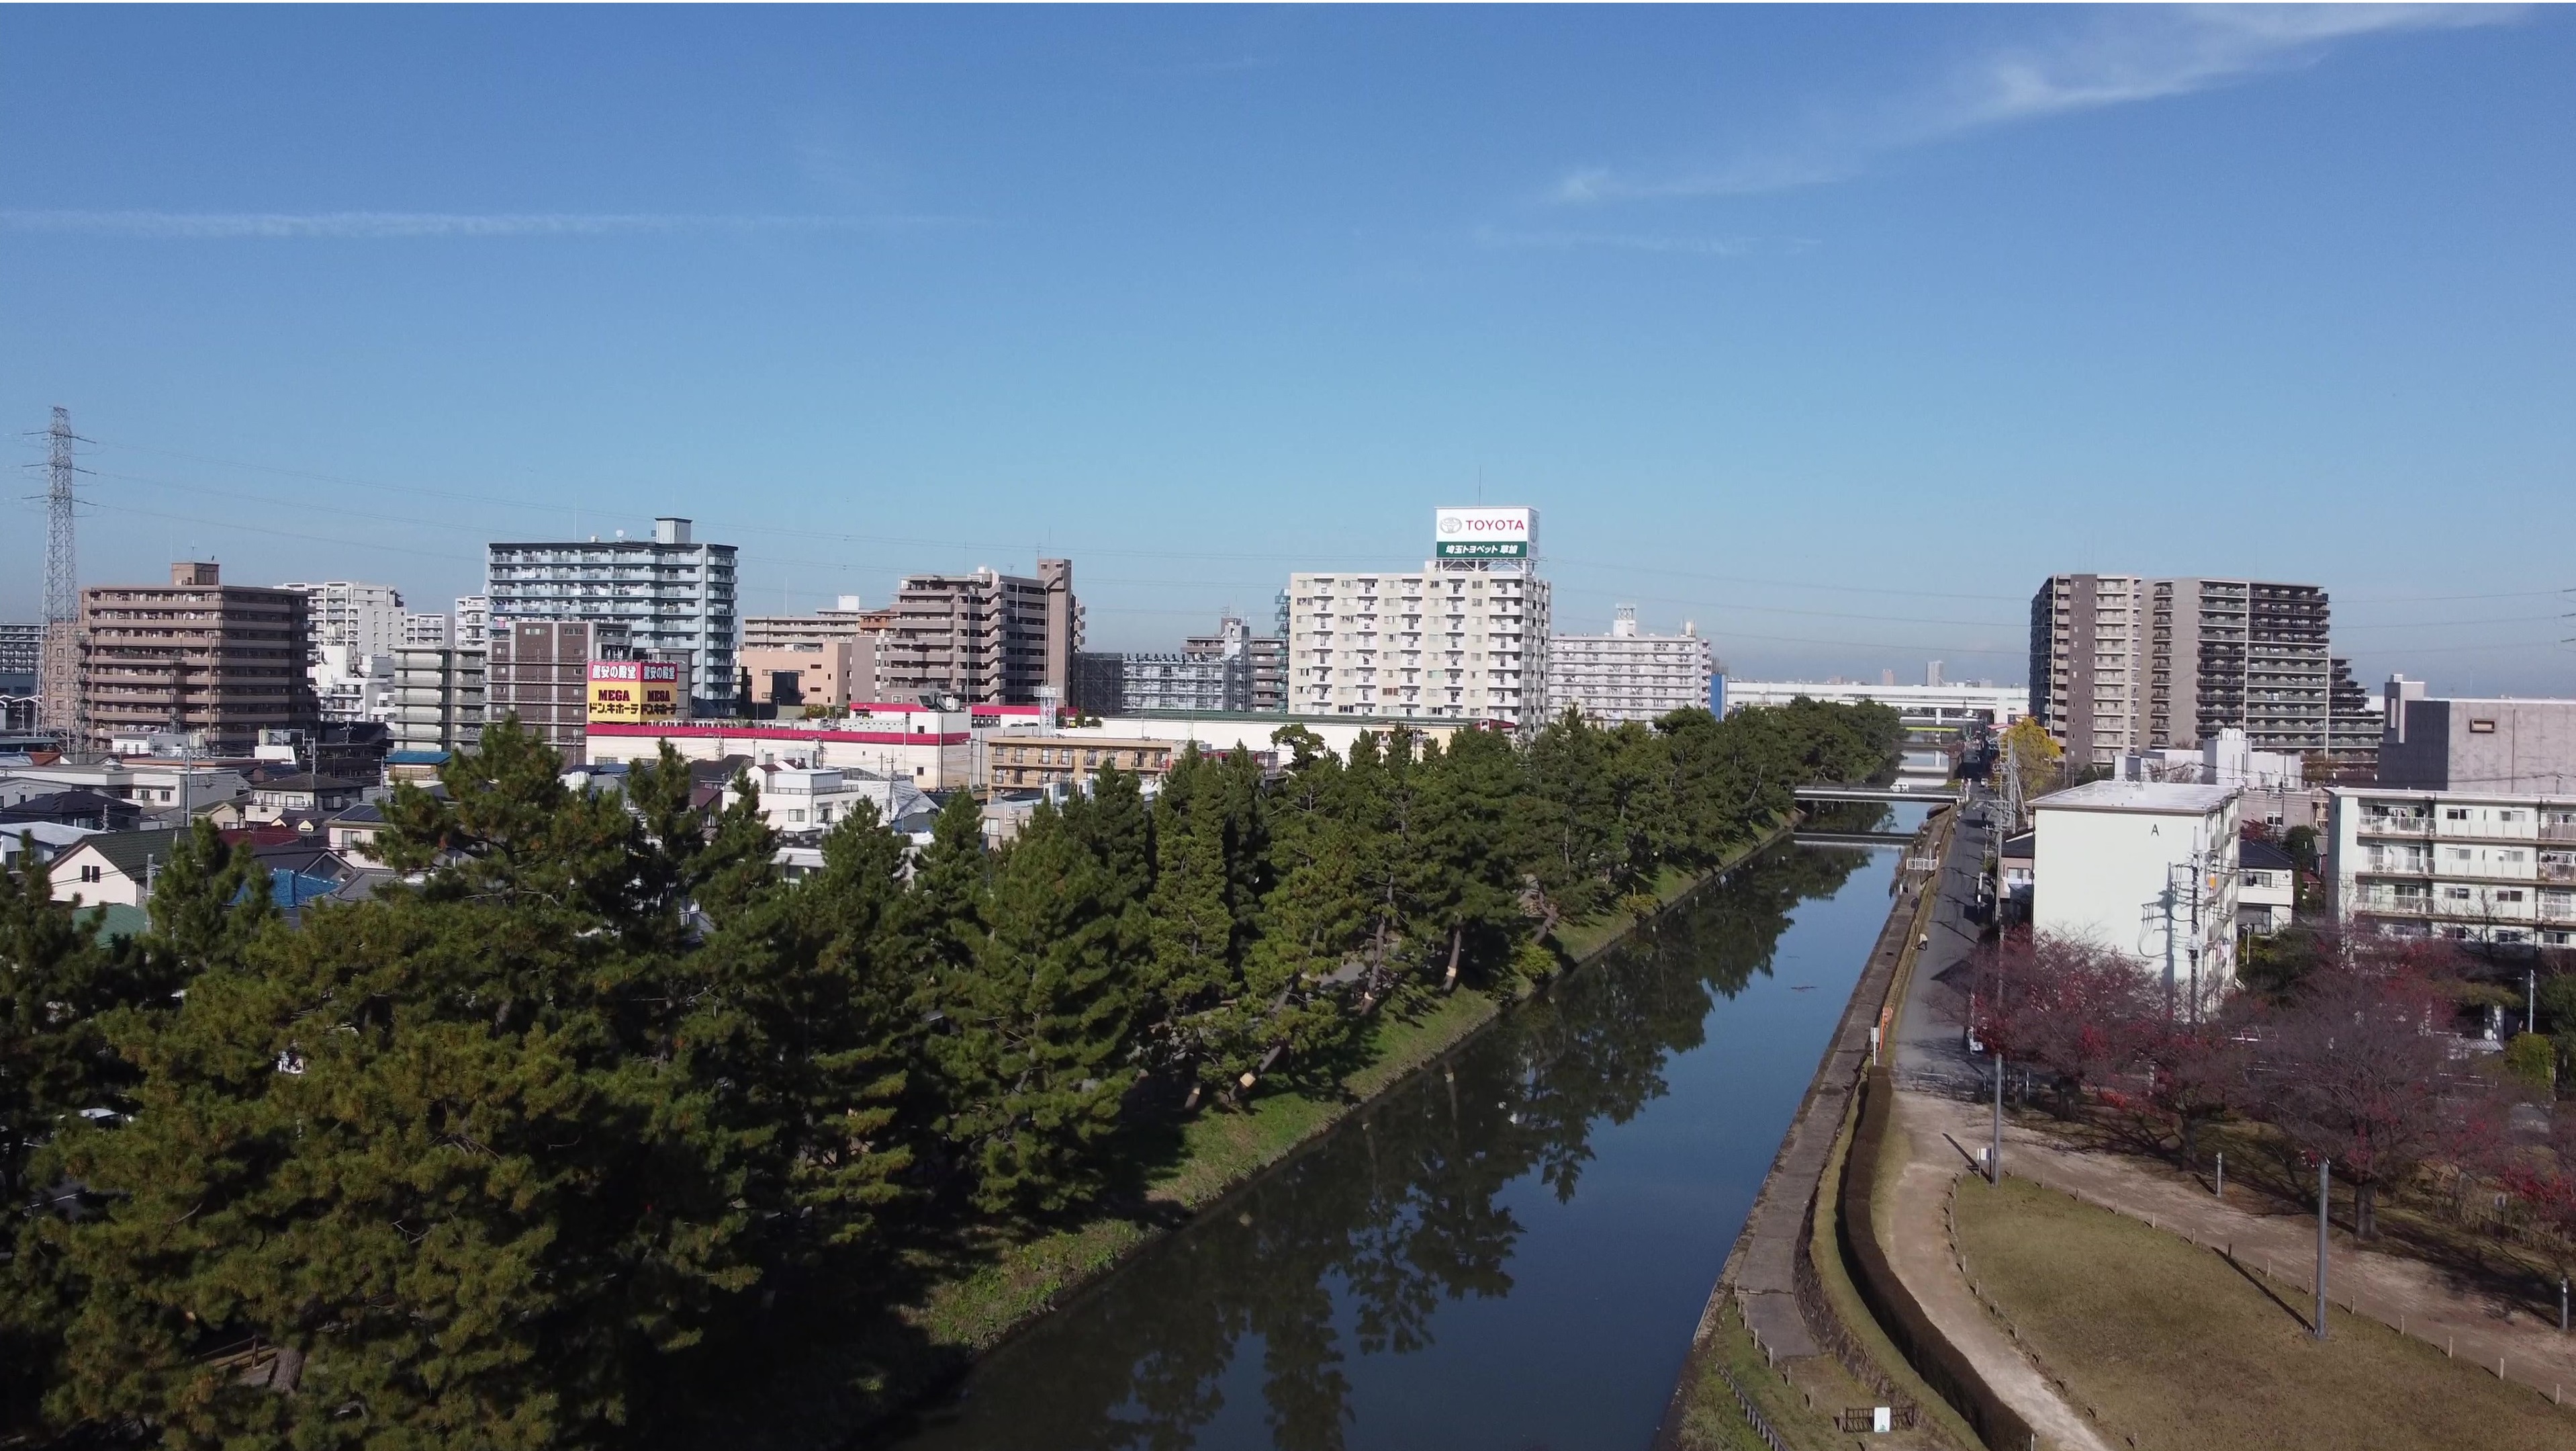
{"points": [[539, 671], [984, 637], [195, 655]]}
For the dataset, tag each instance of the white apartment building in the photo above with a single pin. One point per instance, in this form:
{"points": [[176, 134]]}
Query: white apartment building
{"points": [[1463, 637], [351, 633], [674, 596], [367, 617], [438, 698], [2477, 866], [1957, 704], [427, 628], [1626, 675], [473, 623], [2144, 868]]}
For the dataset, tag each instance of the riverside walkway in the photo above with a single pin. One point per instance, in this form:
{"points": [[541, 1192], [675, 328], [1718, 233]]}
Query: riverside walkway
{"points": [[1761, 1273]]}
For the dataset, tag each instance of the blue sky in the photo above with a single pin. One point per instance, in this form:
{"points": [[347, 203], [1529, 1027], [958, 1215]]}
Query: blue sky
{"points": [[1831, 330]]}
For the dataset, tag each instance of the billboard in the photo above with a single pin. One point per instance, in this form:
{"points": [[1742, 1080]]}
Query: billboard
{"points": [[1482, 533], [634, 690]]}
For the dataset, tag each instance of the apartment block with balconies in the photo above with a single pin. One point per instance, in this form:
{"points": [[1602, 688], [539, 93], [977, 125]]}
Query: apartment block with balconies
{"points": [[1451, 640], [2479, 867], [196, 655]]}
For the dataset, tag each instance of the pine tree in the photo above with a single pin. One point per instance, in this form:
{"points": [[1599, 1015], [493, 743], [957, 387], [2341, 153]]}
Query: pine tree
{"points": [[1040, 1054], [444, 1152]]}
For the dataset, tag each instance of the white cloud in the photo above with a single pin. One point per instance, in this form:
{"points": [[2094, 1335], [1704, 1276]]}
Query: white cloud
{"points": [[345, 225], [2121, 56], [1630, 242]]}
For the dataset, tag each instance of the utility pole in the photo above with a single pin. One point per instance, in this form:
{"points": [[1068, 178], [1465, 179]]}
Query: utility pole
{"points": [[2325, 1176], [58, 678], [1995, 1154]]}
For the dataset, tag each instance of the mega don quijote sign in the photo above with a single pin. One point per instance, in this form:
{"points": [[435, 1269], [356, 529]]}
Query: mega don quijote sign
{"points": [[634, 690], [1482, 533]]}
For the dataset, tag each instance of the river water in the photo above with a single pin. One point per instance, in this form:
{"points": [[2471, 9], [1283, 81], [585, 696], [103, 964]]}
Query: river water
{"points": [[1509, 1250]]}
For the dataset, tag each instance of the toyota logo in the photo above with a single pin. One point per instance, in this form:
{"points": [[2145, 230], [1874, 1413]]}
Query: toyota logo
{"points": [[1451, 524]]}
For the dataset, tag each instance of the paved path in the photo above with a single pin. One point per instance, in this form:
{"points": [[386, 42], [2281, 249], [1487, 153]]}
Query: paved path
{"points": [[2422, 1299], [1917, 1235]]}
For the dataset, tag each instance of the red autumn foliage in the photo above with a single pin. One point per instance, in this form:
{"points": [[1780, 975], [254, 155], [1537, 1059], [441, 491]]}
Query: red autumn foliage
{"points": [[2357, 1070]]}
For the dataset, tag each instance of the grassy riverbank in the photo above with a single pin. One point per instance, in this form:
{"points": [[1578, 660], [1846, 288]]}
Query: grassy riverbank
{"points": [[2169, 1346], [1012, 1283]]}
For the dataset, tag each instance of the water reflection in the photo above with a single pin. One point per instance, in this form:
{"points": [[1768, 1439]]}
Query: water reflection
{"points": [[1356, 1247]]}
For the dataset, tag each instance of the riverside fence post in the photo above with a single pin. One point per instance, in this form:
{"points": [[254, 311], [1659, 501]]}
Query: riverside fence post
{"points": [[2325, 1176], [2222, 1173]]}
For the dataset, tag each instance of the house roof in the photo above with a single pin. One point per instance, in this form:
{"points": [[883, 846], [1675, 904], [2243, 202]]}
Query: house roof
{"points": [[307, 781], [2164, 798], [56, 803], [365, 813], [128, 851], [2019, 848], [2256, 854], [51, 835], [115, 919]]}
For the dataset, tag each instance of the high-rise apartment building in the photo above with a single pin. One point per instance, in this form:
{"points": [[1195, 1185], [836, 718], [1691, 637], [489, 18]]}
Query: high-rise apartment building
{"points": [[195, 655], [984, 637], [368, 617], [673, 596], [2088, 664], [473, 622], [1464, 636], [439, 695], [21, 648], [1627, 675], [427, 628], [539, 671], [2122, 662], [2234, 654]]}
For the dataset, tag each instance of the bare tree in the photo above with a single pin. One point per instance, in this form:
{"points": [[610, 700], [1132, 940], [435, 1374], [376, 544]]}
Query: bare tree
{"points": [[2353, 1071], [2198, 1071]]}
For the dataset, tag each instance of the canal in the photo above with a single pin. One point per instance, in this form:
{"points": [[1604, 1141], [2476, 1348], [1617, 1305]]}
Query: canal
{"points": [[1509, 1250]]}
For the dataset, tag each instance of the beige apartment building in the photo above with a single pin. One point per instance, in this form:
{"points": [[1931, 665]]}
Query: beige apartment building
{"points": [[845, 621], [985, 637], [2122, 662], [195, 655], [833, 672]]}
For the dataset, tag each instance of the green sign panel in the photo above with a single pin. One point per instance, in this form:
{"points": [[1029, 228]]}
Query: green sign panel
{"points": [[1482, 549]]}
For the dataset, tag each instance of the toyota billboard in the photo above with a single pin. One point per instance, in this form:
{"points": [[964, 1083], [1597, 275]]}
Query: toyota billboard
{"points": [[1483, 533]]}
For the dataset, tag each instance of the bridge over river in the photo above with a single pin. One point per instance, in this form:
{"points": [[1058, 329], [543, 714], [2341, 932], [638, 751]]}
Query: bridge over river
{"points": [[1511, 1248]]}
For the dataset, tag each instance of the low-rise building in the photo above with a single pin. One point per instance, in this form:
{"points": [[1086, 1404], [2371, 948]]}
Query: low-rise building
{"points": [[2148, 869], [2478, 866], [2267, 888], [933, 749], [1954, 705], [798, 799], [301, 794], [114, 867], [2490, 744], [1627, 675], [1021, 761], [829, 673]]}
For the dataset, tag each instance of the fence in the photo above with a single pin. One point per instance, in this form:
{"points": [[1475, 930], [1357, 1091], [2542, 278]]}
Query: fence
{"points": [[1752, 1413]]}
